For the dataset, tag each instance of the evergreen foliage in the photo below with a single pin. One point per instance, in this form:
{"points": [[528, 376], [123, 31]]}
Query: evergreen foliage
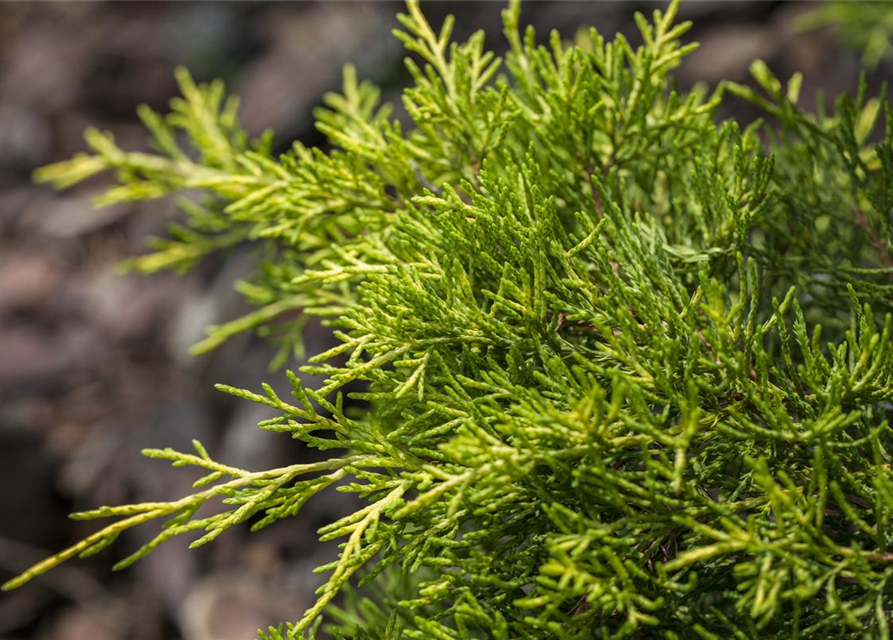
{"points": [[866, 25], [625, 373]]}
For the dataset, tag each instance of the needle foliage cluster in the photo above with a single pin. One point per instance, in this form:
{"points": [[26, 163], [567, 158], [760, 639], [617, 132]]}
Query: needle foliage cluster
{"points": [[625, 370]]}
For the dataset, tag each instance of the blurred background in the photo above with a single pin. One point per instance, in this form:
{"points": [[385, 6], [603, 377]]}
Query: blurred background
{"points": [[94, 364]]}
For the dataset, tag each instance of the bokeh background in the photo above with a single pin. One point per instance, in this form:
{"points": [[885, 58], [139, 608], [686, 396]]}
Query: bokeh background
{"points": [[94, 364]]}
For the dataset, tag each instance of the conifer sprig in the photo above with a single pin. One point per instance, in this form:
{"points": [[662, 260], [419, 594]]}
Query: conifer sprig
{"points": [[864, 26], [626, 374]]}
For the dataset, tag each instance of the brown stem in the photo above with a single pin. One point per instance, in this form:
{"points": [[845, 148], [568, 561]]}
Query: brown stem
{"points": [[876, 241]]}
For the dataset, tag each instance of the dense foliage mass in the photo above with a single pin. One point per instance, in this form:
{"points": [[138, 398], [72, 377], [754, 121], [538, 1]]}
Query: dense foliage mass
{"points": [[624, 374]]}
